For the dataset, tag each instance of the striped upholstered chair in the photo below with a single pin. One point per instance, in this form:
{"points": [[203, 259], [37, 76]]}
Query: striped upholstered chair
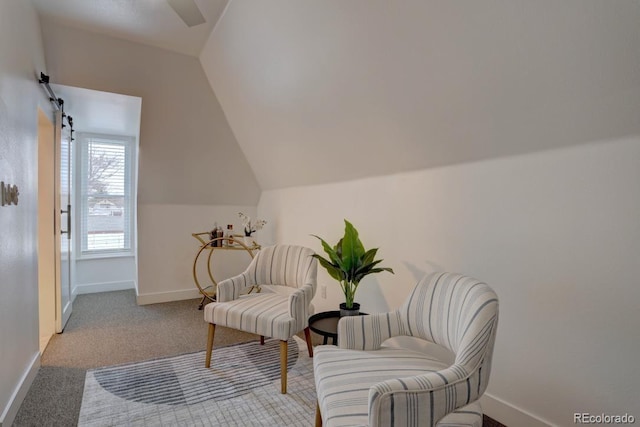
{"points": [[287, 278], [363, 383]]}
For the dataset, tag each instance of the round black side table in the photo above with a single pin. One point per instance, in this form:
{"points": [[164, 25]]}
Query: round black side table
{"points": [[326, 324]]}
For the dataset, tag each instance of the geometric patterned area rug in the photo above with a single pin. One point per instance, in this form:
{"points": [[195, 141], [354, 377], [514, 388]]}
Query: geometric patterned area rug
{"points": [[242, 388]]}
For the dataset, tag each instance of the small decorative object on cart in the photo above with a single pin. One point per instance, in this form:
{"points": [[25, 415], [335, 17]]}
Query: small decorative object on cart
{"points": [[215, 235], [250, 227], [229, 235]]}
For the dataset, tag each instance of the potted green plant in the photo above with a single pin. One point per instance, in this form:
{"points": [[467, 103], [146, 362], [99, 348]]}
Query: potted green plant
{"points": [[349, 263]]}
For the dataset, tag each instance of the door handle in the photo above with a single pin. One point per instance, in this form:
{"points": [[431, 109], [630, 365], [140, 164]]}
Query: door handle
{"points": [[68, 231]]}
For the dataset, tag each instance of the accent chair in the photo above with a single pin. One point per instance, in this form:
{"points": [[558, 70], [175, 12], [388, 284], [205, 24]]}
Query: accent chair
{"points": [[287, 276], [364, 383]]}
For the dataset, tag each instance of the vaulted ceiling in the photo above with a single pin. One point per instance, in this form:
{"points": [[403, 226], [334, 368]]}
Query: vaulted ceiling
{"points": [[319, 91], [331, 90], [151, 22]]}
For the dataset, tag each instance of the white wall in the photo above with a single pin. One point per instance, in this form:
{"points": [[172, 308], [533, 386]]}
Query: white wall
{"points": [[104, 274], [21, 60], [166, 265], [555, 233], [190, 163], [182, 126]]}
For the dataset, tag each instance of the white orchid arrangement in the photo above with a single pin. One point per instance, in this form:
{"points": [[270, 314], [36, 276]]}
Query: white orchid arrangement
{"points": [[249, 226]]}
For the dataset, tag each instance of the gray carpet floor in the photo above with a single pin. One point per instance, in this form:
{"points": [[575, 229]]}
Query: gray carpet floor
{"points": [[107, 329], [110, 328]]}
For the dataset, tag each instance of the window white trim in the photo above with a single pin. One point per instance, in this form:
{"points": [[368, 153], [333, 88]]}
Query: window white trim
{"points": [[127, 192]]}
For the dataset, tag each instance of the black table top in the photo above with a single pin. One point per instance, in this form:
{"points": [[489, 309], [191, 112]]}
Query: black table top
{"points": [[326, 323]]}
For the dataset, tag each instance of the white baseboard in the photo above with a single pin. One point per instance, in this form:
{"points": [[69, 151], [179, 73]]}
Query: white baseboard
{"points": [[158, 297], [92, 288], [508, 414], [9, 413]]}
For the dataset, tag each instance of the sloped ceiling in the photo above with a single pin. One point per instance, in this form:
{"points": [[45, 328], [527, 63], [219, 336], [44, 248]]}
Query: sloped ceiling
{"points": [[101, 112], [188, 153], [150, 22], [321, 91]]}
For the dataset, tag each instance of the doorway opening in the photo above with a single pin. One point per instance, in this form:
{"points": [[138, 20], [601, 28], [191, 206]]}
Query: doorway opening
{"points": [[104, 188]]}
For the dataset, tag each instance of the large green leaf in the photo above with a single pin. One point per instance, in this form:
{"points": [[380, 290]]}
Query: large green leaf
{"points": [[335, 258], [338, 248], [381, 269], [367, 267], [352, 248], [369, 256], [333, 270]]}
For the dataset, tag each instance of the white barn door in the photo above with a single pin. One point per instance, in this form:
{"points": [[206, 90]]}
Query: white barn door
{"points": [[63, 222]]}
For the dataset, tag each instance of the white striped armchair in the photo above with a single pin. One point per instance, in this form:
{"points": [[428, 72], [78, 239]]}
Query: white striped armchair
{"points": [[288, 276], [364, 383]]}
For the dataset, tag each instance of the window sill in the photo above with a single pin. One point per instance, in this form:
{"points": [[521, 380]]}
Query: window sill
{"points": [[109, 255]]}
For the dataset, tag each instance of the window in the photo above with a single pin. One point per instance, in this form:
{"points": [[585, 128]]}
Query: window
{"points": [[106, 194]]}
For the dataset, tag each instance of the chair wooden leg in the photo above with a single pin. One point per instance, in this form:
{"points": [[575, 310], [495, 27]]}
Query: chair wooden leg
{"points": [[307, 336], [212, 331], [261, 339], [318, 415], [283, 366]]}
